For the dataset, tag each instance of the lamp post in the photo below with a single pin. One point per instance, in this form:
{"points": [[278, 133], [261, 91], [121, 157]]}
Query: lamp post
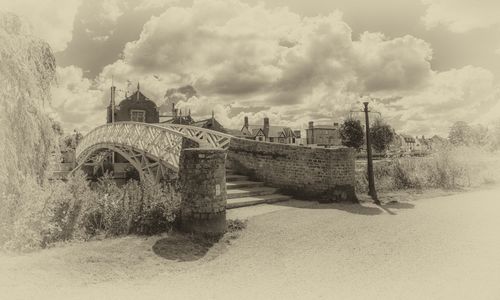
{"points": [[371, 179]]}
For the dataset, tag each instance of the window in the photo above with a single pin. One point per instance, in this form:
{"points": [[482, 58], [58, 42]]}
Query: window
{"points": [[271, 139], [138, 115]]}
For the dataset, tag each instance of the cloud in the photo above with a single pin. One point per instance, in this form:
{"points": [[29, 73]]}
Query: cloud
{"points": [[269, 57], [75, 103], [465, 94], [254, 60], [51, 20], [461, 15]]}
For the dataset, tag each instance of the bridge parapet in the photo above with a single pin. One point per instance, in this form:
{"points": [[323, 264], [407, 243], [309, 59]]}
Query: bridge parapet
{"points": [[212, 138], [307, 173]]}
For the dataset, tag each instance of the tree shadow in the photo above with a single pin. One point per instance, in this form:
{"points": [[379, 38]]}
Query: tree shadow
{"points": [[362, 208], [180, 247]]}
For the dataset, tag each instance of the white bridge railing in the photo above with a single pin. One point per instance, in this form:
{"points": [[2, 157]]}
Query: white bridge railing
{"points": [[214, 138], [147, 146]]}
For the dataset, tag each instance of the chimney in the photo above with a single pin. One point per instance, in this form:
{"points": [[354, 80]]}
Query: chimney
{"points": [[311, 125], [112, 104], [266, 127], [138, 89], [174, 114], [246, 122]]}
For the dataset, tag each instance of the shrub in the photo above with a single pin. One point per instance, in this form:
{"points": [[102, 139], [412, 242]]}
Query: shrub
{"points": [[59, 211], [144, 208], [448, 169]]}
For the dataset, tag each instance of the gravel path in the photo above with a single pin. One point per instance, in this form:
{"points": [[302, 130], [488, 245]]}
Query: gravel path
{"points": [[440, 248]]}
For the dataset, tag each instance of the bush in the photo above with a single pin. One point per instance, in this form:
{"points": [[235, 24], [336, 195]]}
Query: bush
{"points": [[144, 208], [59, 211], [453, 168]]}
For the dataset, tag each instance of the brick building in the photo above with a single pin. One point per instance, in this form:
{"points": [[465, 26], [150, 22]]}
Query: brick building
{"points": [[268, 133], [136, 107], [323, 135]]}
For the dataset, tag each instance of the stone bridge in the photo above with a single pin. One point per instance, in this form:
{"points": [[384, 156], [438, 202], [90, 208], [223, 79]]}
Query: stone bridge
{"points": [[203, 157]]}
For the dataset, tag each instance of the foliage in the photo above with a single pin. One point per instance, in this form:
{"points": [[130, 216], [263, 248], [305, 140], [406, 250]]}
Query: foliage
{"points": [[69, 142], [62, 211], [450, 168], [351, 133], [382, 135], [234, 225], [461, 134], [26, 72]]}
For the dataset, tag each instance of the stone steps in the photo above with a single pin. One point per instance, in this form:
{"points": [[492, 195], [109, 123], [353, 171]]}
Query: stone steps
{"points": [[242, 184], [250, 191], [255, 200], [234, 177], [243, 192]]}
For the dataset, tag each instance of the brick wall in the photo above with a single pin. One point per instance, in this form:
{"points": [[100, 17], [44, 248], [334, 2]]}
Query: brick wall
{"points": [[308, 173], [202, 176]]}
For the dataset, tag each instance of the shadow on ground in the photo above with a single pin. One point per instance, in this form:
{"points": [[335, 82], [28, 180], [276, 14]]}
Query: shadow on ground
{"points": [[181, 247], [363, 208]]}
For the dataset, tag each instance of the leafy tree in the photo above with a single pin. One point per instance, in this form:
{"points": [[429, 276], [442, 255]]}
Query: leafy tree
{"points": [[382, 135], [26, 72], [72, 140], [351, 133], [461, 134]]}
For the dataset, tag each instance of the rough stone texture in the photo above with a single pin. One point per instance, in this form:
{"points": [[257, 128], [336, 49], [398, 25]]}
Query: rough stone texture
{"points": [[202, 175], [309, 173]]}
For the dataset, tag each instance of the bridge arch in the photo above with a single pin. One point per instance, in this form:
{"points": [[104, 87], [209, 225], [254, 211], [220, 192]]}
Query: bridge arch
{"points": [[150, 148]]}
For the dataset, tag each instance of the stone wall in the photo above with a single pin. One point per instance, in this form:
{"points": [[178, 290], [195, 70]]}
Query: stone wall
{"points": [[202, 175], [308, 173]]}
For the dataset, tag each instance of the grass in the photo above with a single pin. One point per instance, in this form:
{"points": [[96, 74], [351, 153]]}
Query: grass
{"points": [[455, 168]]}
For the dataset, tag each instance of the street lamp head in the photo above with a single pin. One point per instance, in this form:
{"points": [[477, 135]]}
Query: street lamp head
{"points": [[365, 103]]}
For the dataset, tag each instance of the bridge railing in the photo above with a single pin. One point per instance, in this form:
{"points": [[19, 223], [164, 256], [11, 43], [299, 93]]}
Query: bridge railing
{"points": [[157, 141], [213, 138]]}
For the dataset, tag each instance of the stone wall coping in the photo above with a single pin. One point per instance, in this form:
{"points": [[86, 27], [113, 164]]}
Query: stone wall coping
{"points": [[337, 149]]}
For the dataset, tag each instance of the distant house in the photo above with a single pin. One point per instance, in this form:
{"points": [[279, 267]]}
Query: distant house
{"points": [[178, 118], [210, 123], [136, 108], [323, 135], [407, 142], [268, 133], [436, 142]]}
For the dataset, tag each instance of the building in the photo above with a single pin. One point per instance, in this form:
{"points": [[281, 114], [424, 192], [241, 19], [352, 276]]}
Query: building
{"points": [[178, 118], [268, 133], [210, 123], [136, 108], [323, 135]]}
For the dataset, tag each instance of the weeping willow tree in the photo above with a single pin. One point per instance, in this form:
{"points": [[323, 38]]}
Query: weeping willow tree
{"points": [[27, 68]]}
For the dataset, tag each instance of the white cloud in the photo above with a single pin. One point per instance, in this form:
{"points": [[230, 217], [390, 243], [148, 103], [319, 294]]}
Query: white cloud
{"points": [[75, 103], [51, 20], [461, 15], [258, 61]]}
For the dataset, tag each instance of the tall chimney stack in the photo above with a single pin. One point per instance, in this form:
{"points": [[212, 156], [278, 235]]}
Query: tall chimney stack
{"points": [[311, 125], [112, 104], [246, 122], [266, 128]]}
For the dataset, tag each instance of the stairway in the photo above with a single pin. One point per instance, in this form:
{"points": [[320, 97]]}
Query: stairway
{"points": [[243, 192]]}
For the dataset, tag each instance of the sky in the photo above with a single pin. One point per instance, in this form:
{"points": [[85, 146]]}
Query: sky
{"points": [[422, 64]]}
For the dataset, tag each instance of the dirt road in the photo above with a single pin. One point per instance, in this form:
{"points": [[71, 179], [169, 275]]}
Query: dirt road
{"points": [[440, 248]]}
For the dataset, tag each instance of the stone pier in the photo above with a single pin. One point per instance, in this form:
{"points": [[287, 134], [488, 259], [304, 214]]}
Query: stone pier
{"points": [[202, 175]]}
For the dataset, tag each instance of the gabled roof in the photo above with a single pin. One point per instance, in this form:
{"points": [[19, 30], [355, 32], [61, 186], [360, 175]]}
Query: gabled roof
{"points": [[137, 96], [408, 138], [184, 120], [274, 131]]}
